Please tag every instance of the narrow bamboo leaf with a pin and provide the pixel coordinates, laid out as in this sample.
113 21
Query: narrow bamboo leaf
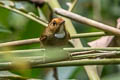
4 30
8 75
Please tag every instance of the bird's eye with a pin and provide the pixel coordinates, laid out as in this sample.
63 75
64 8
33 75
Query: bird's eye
54 23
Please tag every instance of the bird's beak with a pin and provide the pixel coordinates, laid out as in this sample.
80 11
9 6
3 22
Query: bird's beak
62 22
60 27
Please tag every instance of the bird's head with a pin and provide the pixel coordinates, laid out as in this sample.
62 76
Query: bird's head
57 25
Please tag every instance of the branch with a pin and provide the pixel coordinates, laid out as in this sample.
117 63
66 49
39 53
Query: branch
87 21
20 42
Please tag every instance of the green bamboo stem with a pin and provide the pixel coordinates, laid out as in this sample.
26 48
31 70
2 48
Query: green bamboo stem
82 62
89 48
8 65
24 14
45 56
86 35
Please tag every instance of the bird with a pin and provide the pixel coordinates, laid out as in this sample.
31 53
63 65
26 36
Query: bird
55 34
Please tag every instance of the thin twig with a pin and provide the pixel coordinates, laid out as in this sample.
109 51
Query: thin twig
83 52
87 21
73 5
98 55
20 42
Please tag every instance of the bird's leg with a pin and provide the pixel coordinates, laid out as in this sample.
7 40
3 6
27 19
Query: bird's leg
41 44
43 37
55 73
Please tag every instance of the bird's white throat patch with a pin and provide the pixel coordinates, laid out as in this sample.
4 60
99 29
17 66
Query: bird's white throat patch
61 33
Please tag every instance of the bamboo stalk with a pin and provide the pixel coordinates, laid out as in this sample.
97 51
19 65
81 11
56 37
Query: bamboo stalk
8 65
82 62
86 35
43 55
89 48
87 21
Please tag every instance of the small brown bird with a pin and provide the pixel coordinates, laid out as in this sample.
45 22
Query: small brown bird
55 33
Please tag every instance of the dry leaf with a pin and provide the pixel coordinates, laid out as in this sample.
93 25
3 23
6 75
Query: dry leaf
106 41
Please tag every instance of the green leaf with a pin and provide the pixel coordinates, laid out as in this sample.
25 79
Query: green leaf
4 30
